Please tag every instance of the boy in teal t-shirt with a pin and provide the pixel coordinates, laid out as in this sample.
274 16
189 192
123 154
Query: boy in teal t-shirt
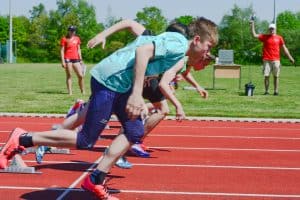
117 84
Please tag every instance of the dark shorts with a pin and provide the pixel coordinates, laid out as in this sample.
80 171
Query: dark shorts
72 60
104 102
151 90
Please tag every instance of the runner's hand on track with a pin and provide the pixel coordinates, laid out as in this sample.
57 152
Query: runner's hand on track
135 106
180 115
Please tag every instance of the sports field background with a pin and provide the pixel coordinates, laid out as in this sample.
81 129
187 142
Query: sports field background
41 88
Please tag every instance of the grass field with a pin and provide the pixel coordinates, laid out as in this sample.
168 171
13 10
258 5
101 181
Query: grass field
40 88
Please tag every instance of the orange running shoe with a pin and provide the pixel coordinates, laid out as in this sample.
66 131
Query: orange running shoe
99 191
11 148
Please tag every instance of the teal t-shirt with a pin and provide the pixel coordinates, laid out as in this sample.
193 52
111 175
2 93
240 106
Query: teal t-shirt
116 71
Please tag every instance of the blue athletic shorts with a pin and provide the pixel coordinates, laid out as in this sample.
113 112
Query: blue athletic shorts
103 102
151 90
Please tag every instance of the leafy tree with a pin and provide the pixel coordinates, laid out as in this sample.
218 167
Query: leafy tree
234 32
288 25
87 28
21 34
186 20
37 11
4 28
38 38
288 20
152 19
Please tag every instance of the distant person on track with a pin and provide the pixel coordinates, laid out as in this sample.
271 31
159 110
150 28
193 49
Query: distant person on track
117 85
71 58
271 55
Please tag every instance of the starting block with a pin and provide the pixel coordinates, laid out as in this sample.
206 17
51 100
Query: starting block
53 150
17 165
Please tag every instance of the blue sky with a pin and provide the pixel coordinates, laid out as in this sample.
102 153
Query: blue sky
212 9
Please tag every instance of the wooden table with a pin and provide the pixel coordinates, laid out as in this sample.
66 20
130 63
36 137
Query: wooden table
226 71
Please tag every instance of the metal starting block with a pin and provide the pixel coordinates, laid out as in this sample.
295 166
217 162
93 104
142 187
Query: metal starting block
17 165
53 150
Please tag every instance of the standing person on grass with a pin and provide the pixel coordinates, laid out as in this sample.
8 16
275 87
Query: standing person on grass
71 58
117 85
271 55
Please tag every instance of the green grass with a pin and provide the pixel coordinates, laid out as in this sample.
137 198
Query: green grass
41 88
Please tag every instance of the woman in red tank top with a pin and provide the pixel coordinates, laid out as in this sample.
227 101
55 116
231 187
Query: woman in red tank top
71 59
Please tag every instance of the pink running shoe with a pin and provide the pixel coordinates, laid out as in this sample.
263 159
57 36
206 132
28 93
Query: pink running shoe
11 148
139 151
144 147
100 191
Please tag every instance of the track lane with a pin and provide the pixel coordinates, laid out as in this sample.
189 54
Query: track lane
209 176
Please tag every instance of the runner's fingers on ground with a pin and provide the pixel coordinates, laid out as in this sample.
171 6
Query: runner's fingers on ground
179 118
135 105
180 115
133 111
204 94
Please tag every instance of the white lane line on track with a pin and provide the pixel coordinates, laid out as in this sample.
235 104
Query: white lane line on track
184 165
213 149
226 136
219 166
72 186
232 127
228 149
164 192
189 127
36 188
213 136
20 123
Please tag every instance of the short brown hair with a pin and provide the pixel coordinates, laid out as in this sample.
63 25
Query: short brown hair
178 27
205 28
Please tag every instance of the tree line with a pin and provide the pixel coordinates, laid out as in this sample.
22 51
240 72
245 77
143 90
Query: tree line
38 37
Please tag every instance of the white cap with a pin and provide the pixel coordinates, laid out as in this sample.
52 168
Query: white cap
272 26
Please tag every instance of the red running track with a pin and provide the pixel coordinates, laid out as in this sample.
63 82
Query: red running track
189 160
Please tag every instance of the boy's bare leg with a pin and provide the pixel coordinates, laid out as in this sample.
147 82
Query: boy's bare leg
58 138
75 120
154 119
118 147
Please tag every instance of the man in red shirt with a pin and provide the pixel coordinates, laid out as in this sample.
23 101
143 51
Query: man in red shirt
271 55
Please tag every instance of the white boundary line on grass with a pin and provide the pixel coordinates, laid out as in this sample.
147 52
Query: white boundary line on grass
113 118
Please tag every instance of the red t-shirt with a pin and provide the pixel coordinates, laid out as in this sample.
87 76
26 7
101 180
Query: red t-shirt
271 46
71 47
